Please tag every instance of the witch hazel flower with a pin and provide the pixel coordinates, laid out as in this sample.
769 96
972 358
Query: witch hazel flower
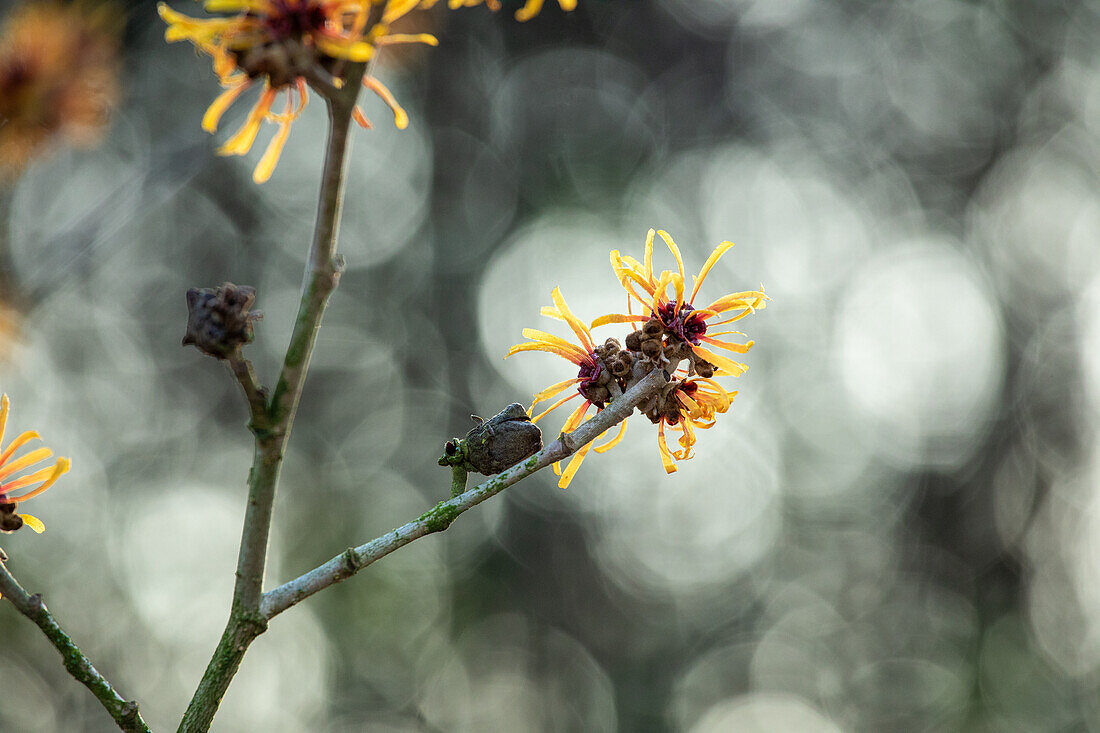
14 476
673 335
277 45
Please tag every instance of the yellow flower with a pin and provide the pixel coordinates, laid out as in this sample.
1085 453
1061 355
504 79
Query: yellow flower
276 43
594 381
58 78
529 10
688 405
9 466
677 317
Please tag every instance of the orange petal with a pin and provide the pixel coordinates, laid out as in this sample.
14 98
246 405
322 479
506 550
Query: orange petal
573 466
16 444
618 318
553 407
714 257
666 456
578 326
47 475
220 104
614 441
5 406
728 345
400 118
39 454
33 522
553 389
728 366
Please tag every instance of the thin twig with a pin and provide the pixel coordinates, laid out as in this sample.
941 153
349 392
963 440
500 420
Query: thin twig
253 392
353 560
124 712
321 275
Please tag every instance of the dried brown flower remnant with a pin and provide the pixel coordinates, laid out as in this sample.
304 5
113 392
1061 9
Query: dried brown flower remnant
218 319
58 79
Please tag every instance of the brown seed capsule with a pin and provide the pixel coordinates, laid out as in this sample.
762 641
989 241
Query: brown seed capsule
653 328
619 368
677 349
612 346
634 341
651 347
704 368
9 520
218 319
596 395
626 357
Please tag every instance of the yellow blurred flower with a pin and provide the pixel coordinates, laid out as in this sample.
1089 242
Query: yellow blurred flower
277 44
529 10
679 320
595 381
58 79
35 482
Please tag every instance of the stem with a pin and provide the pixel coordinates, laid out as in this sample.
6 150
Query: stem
253 392
458 480
439 518
321 276
124 712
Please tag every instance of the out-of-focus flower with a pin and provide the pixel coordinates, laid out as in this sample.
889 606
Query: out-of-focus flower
35 482
279 45
684 327
595 381
529 10
58 79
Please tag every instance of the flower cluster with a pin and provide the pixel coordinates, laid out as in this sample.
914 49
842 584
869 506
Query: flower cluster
280 44
58 78
283 46
672 334
529 10
35 482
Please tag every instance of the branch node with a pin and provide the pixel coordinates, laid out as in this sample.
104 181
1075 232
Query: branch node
351 561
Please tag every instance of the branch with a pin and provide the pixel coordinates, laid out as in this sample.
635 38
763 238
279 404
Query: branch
354 559
322 273
124 712
253 392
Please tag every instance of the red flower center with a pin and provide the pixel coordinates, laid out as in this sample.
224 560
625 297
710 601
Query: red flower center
291 19
685 322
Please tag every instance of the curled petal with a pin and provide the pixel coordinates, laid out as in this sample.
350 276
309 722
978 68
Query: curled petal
400 117
614 441
666 456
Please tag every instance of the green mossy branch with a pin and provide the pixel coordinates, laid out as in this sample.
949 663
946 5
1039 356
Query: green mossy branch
443 514
124 712
271 421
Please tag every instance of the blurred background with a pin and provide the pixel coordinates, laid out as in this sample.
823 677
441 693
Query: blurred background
896 527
